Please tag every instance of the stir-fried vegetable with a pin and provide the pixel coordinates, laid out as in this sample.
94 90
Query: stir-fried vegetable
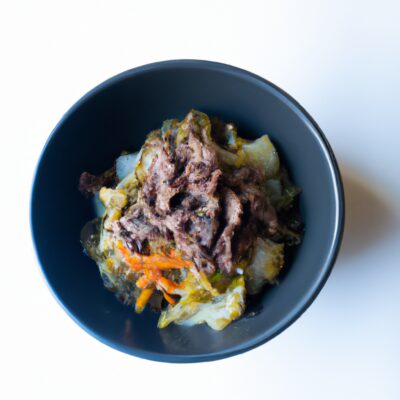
162 271
143 298
154 261
150 270
267 262
149 151
126 164
281 196
197 305
262 154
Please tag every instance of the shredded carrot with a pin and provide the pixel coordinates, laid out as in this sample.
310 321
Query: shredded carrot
151 267
127 256
157 261
153 275
168 297
143 282
168 285
143 298
173 253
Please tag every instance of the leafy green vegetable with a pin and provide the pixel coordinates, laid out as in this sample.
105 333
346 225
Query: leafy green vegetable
265 266
262 154
200 124
288 196
229 160
195 122
226 136
194 297
281 194
113 198
126 164
235 152
200 306
169 126
115 275
149 151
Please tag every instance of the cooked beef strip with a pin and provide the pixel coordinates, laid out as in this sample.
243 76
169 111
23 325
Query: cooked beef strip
247 182
185 200
233 210
135 229
90 184
213 217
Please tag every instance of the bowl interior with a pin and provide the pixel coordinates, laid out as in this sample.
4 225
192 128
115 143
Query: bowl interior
116 116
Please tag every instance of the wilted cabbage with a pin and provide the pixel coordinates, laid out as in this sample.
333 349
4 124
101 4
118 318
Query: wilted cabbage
281 197
265 266
198 305
149 151
115 275
193 297
126 164
262 154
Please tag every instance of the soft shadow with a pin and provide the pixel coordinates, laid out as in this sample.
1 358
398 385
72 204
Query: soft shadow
369 216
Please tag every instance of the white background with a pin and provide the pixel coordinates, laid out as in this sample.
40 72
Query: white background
340 60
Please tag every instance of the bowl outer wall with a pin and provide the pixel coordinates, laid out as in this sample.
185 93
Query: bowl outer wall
238 98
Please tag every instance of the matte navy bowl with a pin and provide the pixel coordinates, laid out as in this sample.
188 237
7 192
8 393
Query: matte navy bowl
117 115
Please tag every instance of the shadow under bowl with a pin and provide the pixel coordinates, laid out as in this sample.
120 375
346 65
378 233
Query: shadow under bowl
117 115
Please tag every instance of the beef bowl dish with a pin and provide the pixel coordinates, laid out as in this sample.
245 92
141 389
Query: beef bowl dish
186 211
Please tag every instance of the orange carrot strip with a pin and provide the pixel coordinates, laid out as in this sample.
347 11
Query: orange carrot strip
143 282
173 253
163 262
152 275
125 252
168 285
151 267
168 297
127 256
143 298
157 261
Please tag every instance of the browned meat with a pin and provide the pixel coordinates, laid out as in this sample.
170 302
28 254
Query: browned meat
259 206
157 190
242 176
212 217
246 181
232 215
180 197
90 184
244 238
135 229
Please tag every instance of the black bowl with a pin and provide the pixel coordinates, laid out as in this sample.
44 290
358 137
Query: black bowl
117 115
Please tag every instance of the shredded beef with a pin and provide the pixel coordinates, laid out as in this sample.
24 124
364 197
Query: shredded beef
232 216
260 208
243 175
135 229
246 181
90 184
213 217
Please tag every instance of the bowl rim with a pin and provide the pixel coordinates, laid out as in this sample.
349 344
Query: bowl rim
325 270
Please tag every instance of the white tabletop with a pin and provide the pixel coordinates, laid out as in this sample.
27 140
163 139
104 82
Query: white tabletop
340 60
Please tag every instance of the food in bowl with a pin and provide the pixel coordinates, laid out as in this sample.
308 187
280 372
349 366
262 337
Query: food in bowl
193 223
